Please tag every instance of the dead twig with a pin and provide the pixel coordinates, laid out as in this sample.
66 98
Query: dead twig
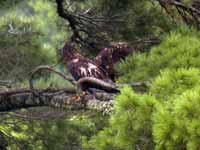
49 68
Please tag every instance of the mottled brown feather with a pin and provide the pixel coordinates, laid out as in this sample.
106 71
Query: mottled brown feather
81 67
112 54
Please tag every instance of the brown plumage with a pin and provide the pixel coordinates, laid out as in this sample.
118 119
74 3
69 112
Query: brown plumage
96 72
81 67
112 54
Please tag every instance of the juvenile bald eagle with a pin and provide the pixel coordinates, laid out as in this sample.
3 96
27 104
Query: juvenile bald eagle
86 70
112 54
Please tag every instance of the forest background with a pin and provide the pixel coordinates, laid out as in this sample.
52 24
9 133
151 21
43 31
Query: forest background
165 35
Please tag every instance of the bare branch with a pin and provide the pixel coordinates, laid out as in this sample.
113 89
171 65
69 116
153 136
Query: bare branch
49 68
189 14
88 30
16 30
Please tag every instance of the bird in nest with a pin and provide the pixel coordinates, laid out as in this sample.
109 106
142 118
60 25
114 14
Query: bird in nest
95 73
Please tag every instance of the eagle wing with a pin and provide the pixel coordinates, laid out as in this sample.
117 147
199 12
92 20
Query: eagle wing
86 71
109 56
114 53
82 67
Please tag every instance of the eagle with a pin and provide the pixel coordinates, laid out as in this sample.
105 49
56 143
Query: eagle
95 73
86 71
112 54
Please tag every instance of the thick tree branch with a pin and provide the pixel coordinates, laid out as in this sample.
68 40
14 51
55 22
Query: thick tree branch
60 99
66 15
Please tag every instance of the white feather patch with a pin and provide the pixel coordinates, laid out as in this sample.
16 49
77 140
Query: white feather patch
75 60
91 67
83 71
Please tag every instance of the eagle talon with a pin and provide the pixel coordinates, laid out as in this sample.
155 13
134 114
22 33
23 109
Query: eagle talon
78 97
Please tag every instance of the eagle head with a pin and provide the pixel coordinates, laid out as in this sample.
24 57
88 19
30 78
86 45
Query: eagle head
121 50
68 50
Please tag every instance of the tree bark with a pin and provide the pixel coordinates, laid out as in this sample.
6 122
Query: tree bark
55 98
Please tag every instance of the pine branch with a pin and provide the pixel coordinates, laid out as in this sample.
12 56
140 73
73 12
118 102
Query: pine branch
189 14
88 30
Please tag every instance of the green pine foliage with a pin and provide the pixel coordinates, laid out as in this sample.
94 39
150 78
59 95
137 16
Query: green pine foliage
173 82
130 125
141 18
179 49
176 125
57 130
167 116
164 118
31 33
